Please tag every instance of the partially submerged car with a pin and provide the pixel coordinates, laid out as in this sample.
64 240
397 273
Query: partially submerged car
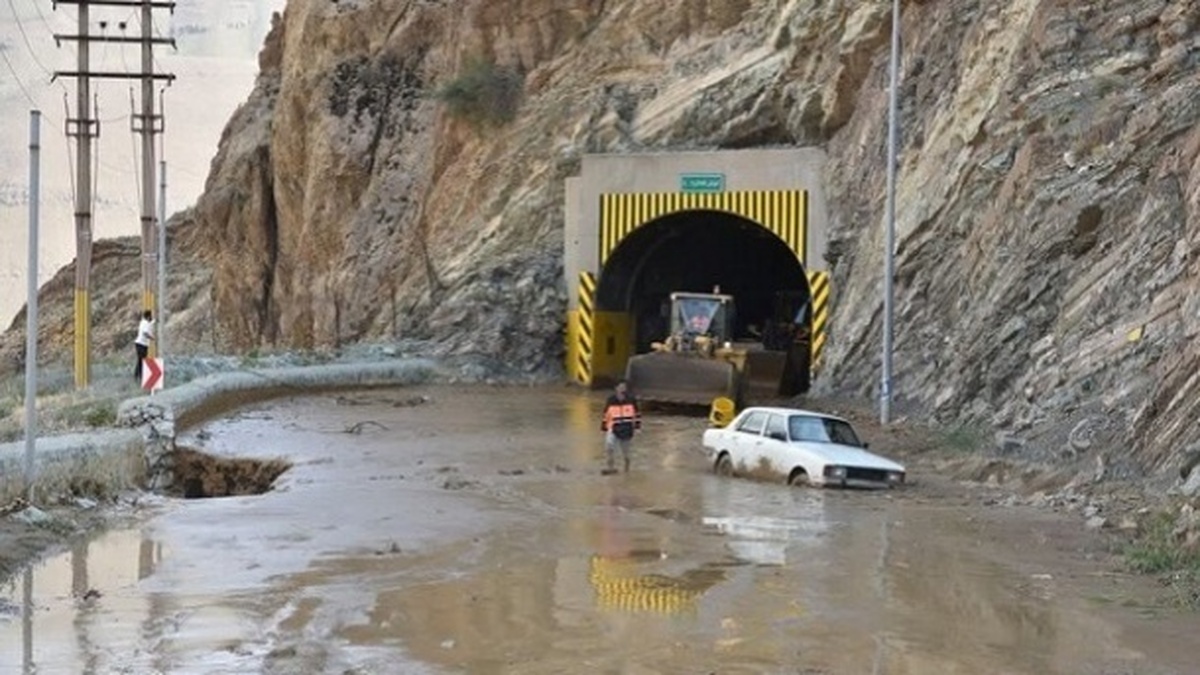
803 447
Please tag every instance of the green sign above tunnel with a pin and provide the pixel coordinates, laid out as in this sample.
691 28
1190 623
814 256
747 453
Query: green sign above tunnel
702 182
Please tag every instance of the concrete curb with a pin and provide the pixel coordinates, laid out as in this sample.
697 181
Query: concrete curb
96 462
139 455
165 413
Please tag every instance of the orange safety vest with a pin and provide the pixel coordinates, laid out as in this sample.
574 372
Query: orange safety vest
621 417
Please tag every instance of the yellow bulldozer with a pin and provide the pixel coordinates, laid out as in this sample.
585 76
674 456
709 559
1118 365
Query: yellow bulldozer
701 360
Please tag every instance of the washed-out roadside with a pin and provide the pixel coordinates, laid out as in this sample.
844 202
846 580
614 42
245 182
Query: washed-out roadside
116 446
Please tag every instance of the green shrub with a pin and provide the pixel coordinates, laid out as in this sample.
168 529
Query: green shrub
963 439
483 94
100 415
1157 551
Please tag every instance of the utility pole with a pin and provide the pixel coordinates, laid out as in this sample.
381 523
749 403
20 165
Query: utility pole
161 312
889 256
147 124
31 301
84 129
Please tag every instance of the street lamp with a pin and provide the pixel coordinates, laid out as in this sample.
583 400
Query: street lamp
889 262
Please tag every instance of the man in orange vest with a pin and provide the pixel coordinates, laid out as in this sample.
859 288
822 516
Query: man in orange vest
621 419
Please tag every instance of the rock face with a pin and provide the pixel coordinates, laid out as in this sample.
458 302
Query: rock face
1048 202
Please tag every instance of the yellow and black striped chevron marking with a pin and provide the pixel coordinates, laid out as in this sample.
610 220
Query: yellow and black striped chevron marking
587 327
818 285
618 587
783 212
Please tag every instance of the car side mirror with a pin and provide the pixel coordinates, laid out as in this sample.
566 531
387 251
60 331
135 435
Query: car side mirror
777 435
866 446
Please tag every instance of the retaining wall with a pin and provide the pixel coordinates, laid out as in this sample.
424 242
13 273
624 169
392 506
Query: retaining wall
140 453
93 463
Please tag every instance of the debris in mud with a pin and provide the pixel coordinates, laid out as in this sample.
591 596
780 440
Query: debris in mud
511 472
32 515
358 427
14 506
394 549
200 475
446 469
282 653
412 402
458 484
674 515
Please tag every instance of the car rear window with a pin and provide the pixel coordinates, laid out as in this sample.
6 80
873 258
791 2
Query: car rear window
821 430
753 423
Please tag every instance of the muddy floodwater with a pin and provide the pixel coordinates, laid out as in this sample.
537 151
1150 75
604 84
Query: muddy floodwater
469 530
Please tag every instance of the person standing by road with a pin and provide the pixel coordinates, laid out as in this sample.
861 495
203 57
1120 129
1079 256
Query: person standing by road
621 419
141 343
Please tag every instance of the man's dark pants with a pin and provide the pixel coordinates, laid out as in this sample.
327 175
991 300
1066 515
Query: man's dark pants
142 352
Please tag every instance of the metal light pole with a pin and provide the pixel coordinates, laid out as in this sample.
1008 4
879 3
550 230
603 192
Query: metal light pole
31 306
160 312
889 262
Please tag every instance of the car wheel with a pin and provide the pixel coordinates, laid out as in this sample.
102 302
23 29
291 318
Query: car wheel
798 478
724 465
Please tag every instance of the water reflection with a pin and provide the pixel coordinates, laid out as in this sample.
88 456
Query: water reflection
621 584
762 523
67 603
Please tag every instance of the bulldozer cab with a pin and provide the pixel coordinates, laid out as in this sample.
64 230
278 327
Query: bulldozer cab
701 314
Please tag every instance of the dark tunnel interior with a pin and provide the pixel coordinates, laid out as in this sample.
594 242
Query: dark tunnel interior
696 251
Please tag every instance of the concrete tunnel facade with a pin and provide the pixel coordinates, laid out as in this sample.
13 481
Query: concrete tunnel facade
639 226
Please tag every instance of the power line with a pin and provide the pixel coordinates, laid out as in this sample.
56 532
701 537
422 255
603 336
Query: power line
70 157
37 6
25 38
95 154
17 78
133 153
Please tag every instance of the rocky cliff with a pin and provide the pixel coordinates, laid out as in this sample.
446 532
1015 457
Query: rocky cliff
398 172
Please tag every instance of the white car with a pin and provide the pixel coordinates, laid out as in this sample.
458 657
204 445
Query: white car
806 448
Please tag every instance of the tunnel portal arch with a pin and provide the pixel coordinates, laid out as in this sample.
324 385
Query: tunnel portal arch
640 225
697 251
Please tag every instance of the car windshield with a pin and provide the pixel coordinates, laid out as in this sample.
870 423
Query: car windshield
821 430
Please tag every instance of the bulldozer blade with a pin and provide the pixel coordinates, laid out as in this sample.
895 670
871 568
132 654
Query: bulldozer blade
765 372
667 377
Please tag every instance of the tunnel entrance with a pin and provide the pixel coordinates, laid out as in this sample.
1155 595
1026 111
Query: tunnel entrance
698 251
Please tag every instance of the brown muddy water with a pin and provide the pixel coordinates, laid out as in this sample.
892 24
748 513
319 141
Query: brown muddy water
471 531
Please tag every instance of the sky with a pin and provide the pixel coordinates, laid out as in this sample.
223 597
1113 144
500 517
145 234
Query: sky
215 62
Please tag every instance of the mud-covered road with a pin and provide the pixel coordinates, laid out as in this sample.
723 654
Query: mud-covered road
471 531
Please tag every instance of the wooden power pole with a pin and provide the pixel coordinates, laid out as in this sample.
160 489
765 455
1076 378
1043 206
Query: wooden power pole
84 128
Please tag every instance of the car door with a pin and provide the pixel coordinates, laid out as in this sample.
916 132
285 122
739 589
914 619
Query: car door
748 442
775 446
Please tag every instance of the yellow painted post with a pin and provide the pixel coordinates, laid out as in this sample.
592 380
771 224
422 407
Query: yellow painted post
83 323
818 285
587 328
